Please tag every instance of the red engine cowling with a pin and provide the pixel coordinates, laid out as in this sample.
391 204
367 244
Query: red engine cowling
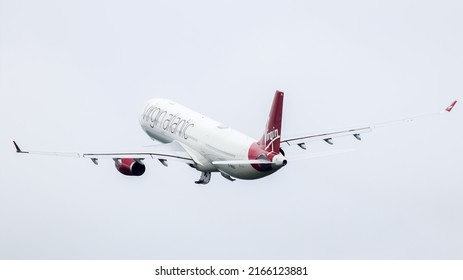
130 167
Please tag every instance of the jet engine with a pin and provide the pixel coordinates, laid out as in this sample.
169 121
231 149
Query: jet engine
130 166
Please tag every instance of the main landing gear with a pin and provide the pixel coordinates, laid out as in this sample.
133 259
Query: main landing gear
204 179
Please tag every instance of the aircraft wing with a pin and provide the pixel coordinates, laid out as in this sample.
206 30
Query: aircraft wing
355 131
162 152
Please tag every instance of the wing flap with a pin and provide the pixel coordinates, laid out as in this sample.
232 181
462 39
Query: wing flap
327 136
356 132
138 155
163 152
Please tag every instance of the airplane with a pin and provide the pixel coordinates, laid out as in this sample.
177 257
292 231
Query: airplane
210 146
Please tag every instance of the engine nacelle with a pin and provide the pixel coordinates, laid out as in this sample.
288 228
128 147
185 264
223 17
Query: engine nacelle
130 167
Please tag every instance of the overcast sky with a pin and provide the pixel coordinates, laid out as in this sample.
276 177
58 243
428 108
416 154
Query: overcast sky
74 76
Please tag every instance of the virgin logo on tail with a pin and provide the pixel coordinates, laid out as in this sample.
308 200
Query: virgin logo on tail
271 135
270 140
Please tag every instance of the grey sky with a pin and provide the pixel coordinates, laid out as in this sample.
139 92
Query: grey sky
74 76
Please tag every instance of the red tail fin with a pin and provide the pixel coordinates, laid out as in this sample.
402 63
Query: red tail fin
270 141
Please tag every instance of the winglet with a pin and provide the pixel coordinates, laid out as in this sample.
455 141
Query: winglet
18 150
449 108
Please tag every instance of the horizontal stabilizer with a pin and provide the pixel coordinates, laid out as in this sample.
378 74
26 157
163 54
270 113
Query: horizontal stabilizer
251 161
319 154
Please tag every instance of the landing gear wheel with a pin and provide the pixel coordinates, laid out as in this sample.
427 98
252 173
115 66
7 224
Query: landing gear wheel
204 179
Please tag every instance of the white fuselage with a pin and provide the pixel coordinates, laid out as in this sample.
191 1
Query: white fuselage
206 140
